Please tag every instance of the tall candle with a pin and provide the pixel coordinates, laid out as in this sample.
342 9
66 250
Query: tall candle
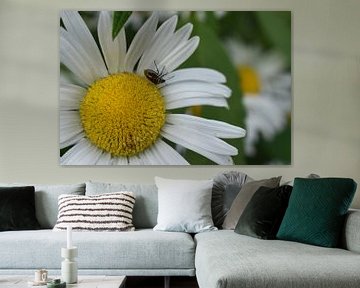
69 237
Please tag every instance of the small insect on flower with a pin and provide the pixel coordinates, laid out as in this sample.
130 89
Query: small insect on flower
155 77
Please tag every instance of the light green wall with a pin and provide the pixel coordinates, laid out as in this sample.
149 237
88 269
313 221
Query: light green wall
326 73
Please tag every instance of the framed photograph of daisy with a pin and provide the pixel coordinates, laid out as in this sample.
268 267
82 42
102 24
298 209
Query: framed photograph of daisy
175 88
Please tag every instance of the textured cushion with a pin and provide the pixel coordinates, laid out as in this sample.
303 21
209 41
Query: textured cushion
46 200
226 187
184 205
263 215
106 212
243 198
317 210
146 205
225 259
143 249
17 208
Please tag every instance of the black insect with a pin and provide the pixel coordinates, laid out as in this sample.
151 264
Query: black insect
155 77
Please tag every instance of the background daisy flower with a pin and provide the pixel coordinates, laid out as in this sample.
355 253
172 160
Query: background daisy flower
118 115
266 91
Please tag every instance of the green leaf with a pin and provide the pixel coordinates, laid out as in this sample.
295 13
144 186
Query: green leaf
211 54
241 25
277 27
119 19
64 150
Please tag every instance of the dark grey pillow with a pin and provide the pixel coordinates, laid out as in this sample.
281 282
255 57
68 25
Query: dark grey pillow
226 187
263 214
243 198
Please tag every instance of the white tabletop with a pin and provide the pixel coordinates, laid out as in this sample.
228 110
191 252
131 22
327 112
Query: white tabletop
84 281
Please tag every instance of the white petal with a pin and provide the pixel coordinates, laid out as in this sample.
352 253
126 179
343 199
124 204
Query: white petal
198 139
114 50
72 140
83 153
140 42
282 81
120 161
161 37
136 160
77 28
167 154
70 96
196 86
211 101
105 159
150 157
76 63
179 38
270 64
272 117
217 158
180 54
70 127
193 74
169 98
216 128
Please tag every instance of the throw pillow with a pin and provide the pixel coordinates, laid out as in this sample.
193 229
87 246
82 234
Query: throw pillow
263 215
226 187
184 205
17 208
146 205
317 209
243 198
106 212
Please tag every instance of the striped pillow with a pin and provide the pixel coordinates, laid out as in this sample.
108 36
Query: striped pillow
105 212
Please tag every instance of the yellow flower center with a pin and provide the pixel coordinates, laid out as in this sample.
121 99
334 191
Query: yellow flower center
249 80
122 114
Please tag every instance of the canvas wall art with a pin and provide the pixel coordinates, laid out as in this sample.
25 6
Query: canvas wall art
175 88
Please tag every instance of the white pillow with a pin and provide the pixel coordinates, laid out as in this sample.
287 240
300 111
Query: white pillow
184 205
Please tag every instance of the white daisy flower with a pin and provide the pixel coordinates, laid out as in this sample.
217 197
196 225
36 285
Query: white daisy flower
120 115
267 92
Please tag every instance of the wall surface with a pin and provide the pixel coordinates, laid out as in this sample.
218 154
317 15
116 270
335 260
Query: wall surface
326 74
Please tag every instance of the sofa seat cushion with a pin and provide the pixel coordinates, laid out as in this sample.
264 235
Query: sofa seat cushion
225 259
142 249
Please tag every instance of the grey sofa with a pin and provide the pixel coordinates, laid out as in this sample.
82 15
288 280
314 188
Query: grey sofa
218 259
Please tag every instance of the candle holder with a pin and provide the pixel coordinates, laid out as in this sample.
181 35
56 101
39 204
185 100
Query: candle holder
68 265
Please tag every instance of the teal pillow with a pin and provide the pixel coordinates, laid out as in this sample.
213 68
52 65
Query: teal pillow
316 211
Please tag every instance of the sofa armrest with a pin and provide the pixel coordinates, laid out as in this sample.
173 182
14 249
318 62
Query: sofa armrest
351 234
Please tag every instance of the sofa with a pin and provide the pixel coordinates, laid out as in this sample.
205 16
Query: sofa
219 258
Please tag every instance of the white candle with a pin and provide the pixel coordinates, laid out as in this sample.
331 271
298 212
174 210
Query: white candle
69 239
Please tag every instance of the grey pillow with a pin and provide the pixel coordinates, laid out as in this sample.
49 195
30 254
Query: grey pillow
225 189
146 204
184 205
46 200
310 176
243 198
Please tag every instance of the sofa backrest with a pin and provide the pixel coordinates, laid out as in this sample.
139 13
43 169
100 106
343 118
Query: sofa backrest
46 200
146 203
